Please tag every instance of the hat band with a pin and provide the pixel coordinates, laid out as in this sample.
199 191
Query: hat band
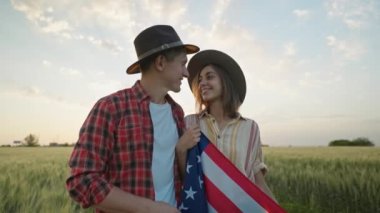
160 48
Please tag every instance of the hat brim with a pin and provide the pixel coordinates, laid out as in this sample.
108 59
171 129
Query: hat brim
207 57
135 67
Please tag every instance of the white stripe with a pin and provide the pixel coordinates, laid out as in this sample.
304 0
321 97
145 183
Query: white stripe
225 184
210 208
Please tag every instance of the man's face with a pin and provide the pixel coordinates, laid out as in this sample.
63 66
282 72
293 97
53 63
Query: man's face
174 72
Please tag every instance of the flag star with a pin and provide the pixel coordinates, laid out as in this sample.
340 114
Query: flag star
198 159
188 167
190 193
200 181
182 207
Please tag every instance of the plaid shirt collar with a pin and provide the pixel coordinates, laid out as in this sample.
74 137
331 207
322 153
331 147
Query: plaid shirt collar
142 95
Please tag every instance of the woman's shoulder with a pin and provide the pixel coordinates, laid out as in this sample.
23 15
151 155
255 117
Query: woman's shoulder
249 120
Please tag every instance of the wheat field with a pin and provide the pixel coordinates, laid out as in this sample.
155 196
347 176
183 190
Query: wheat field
322 179
325 179
33 180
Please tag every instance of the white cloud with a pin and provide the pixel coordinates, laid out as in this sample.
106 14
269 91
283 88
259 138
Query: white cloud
290 49
266 72
35 12
129 17
220 7
345 49
319 79
82 20
30 91
30 9
105 86
118 15
56 27
331 40
47 19
124 18
70 72
49 10
165 11
303 14
355 14
46 63
100 73
107 44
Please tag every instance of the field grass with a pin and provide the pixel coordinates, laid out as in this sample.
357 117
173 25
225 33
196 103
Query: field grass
325 179
303 179
33 180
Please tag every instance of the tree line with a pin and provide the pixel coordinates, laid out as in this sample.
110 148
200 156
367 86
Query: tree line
356 142
32 140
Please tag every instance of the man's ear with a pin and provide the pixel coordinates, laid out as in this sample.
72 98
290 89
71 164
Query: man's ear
160 62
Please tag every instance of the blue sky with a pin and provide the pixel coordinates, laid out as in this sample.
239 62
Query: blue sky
312 67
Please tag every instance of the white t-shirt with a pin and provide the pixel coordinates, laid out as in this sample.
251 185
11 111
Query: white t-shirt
165 139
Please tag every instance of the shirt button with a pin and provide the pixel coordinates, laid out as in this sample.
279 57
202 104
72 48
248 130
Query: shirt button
218 136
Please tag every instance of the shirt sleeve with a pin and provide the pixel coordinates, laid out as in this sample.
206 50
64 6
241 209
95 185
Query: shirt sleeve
259 164
255 159
87 184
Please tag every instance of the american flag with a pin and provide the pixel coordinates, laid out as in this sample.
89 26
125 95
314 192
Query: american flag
214 184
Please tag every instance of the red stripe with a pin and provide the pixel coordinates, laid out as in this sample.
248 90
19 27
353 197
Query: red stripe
245 184
217 199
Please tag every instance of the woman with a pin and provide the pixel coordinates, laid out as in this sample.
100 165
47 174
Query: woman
219 87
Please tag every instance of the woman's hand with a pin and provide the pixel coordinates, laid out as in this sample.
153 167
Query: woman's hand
189 139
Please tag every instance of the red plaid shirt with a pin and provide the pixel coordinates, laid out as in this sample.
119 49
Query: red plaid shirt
115 148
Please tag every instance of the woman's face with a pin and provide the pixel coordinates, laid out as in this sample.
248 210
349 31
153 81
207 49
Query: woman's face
210 85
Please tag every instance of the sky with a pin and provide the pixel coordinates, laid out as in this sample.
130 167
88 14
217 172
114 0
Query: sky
312 67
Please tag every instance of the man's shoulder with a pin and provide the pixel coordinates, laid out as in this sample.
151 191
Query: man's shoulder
118 95
116 101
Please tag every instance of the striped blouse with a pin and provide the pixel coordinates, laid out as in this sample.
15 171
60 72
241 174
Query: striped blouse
239 141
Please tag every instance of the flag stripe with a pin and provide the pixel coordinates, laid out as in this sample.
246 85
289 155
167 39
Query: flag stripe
210 209
229 187
217 200
251 190
219 186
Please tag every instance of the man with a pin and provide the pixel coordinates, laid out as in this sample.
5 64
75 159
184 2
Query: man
125 158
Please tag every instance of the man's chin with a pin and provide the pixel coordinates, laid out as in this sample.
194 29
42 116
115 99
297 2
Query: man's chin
176 90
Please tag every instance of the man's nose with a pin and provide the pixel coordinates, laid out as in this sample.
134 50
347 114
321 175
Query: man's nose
185 73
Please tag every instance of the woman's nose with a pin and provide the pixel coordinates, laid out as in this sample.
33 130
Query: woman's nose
202 82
